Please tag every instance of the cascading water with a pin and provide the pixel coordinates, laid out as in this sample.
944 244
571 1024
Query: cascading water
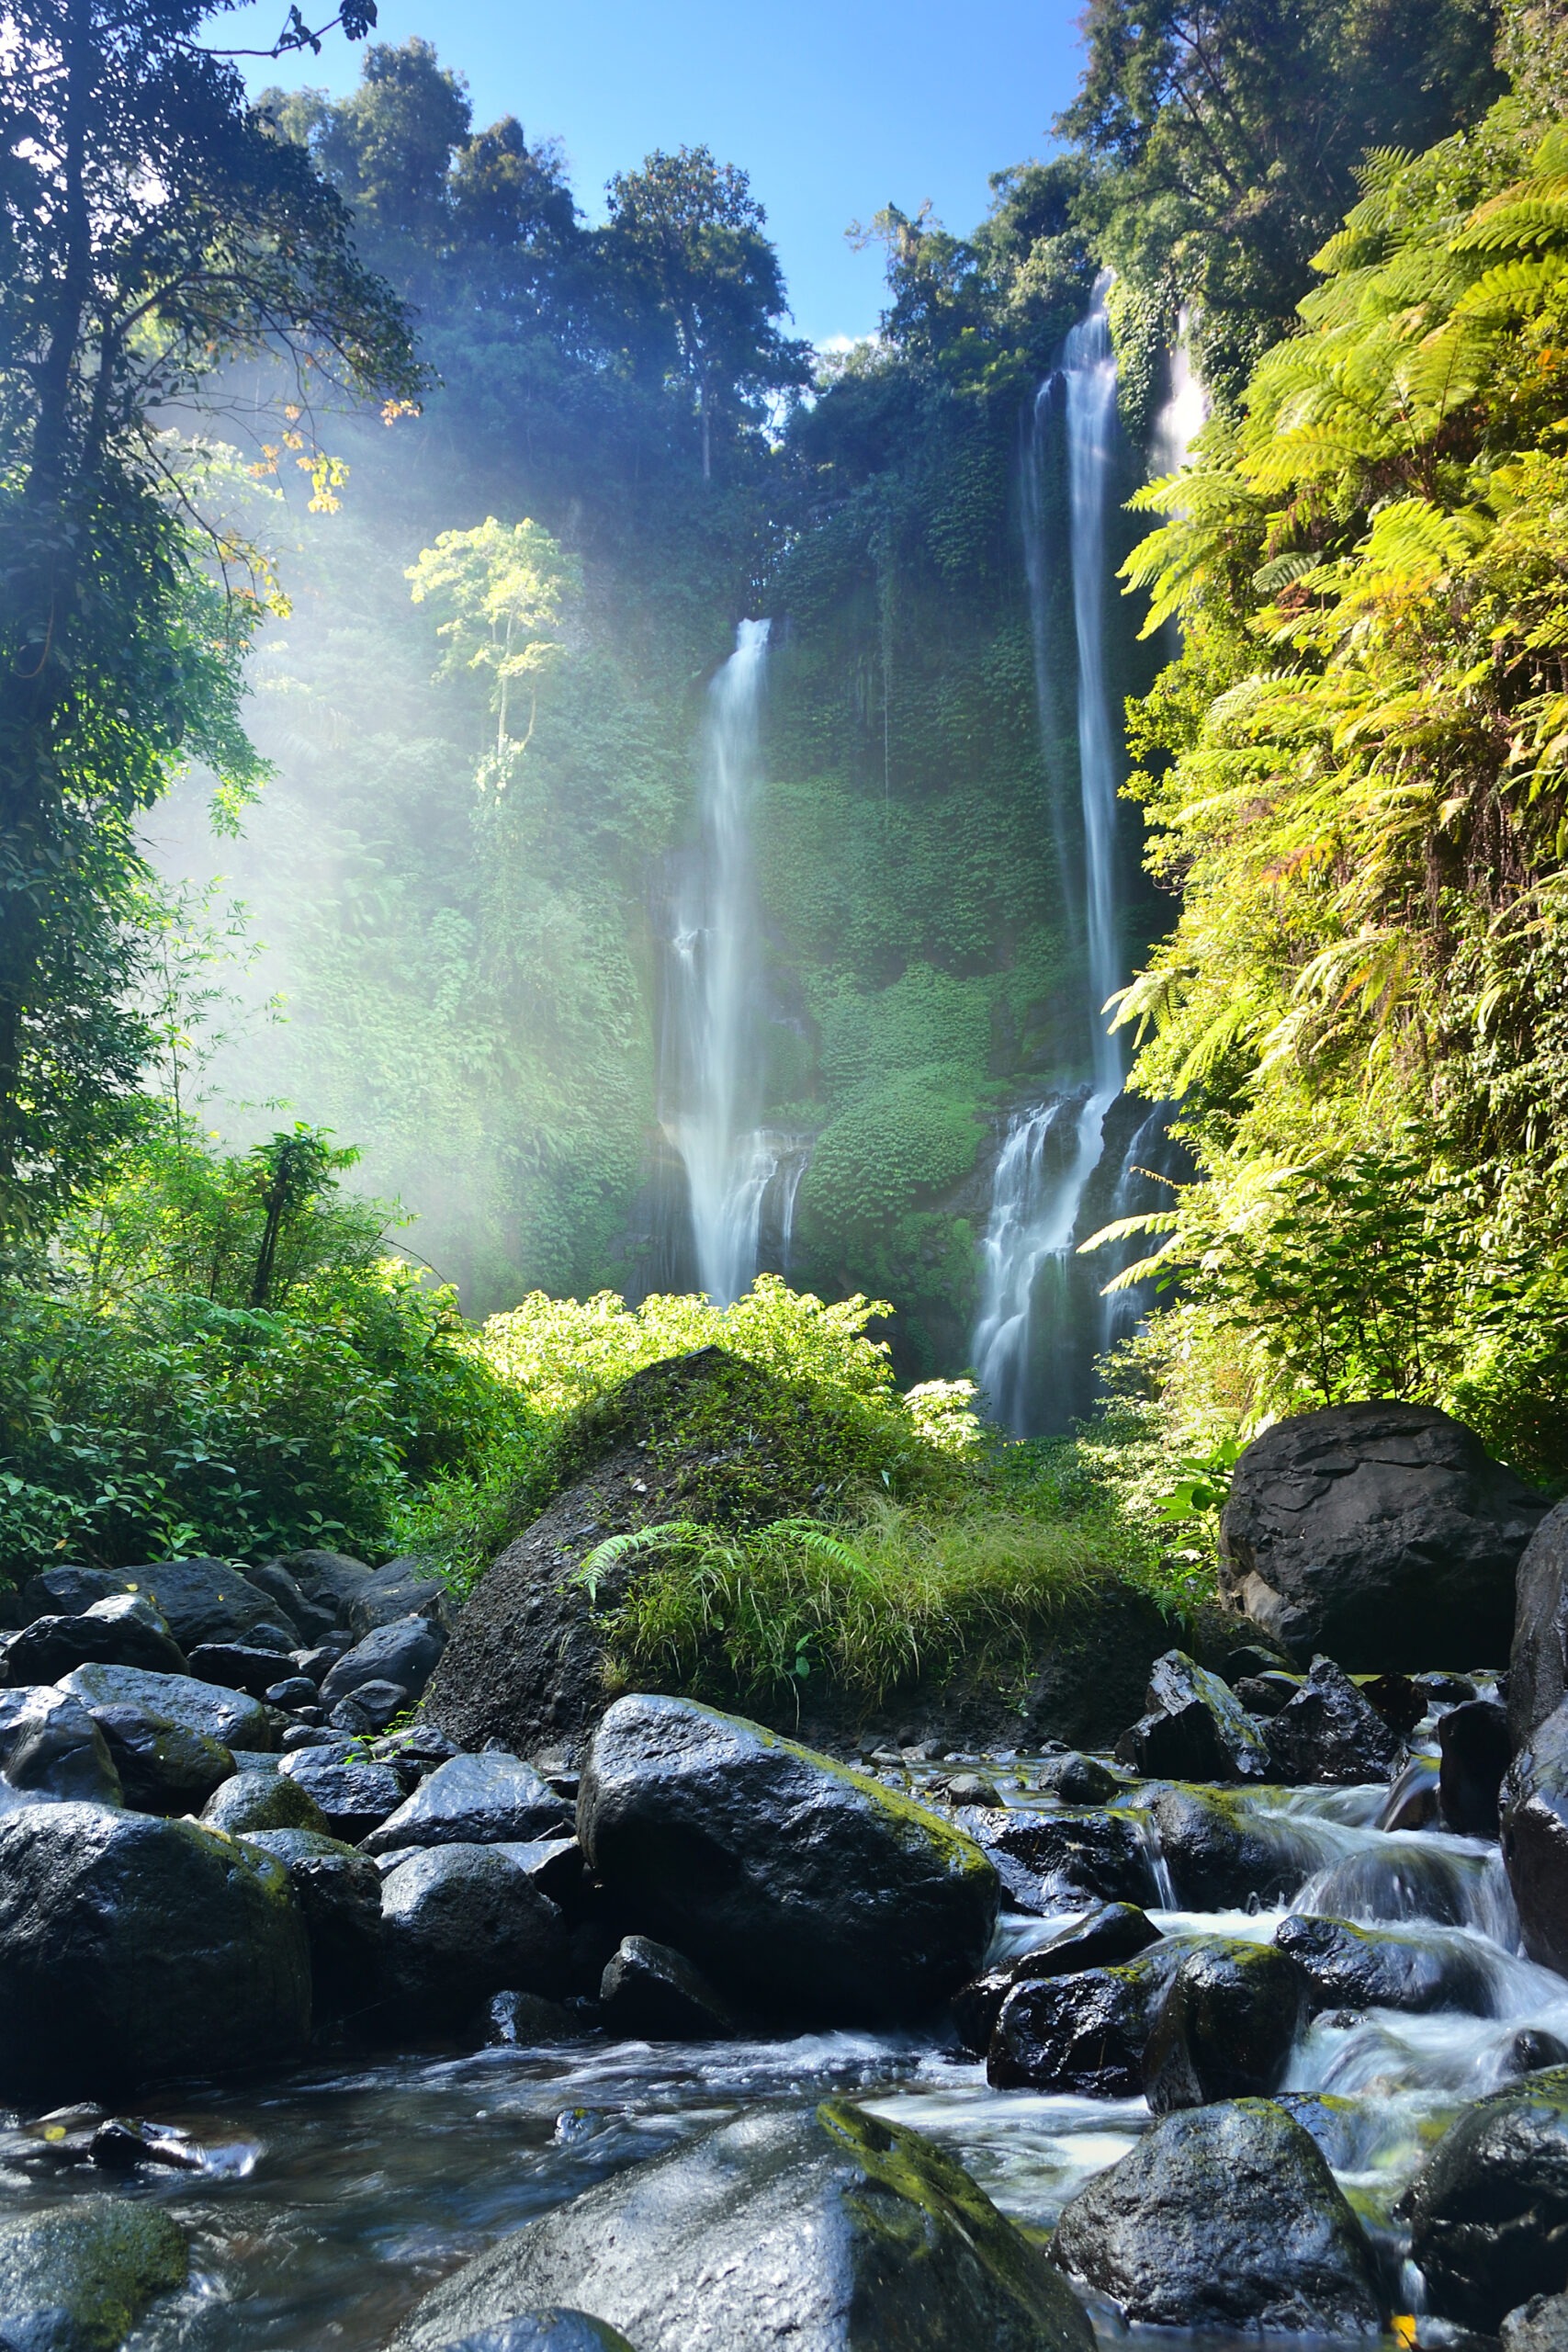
1182 413
1047 1156
741 1179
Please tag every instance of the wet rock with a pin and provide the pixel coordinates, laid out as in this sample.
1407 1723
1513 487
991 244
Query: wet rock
330 1580
1533 2049
795 1882
649 1993
1412 1802
339 1892
1474 1739
50 1747
235 1666
1397 1699
1196 1729
1086 2033
163 1768
1076 1780
1534 1829
1444 1690
481 1799
1112 1932
66 1592
119 2144
972 1788
1250 1659
556 2330
460 1923
309 1618
1225 2217
1329 1733
77 2280
1226 2025
1538 1663
204 1600
263 1800
405 1651
355 1798
827 2227
226 1716
404 1589
371 1707
1405 1878
294 1691
1264 1695
124 1630
517 2020
1540 2325
1382 1533
1057 1861
1377 1968
133 1949
1220 1855
1489 2213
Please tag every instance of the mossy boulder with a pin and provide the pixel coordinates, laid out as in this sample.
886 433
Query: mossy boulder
79 2278
825 2225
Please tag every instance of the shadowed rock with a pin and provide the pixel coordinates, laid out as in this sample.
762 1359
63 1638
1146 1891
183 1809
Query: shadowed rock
1489 2214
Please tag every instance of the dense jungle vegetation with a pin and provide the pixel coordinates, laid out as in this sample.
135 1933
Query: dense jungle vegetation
368 425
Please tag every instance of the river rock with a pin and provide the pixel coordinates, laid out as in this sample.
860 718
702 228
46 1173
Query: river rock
1196 1729
1076 1780
1087 2033
77 2280
649 1993
557 2330
235 1666
1109 1933
1534 1828
1412 1802
355 1798
50 1747
330 1580
163 1768
1474 1743
124 1630
1380 1968
263 1800
1382 1533
829 2230
339 1891
1540 2325
1220 1854
226 1716
65 1591
1489 2213
291 1603
405 1588
1398 1879
484 1800
1538 1663
370 1708
200 1600
133 1949
1058 1861
1226 2219
459 1923
797 1883
1328 1732
404 1651
1226 2025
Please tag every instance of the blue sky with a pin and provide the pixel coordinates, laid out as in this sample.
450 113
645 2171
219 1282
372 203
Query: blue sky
834 109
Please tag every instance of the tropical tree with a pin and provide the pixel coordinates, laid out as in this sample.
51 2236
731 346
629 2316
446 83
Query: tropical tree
503 587
157 236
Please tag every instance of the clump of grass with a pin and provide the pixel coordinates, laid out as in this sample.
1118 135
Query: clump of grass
888 1595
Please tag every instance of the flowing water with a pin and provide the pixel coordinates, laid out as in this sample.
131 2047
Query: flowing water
709 1105
332 2197
1047 1156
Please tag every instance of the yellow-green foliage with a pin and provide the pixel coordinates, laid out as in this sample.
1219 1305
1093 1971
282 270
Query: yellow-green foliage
1357 775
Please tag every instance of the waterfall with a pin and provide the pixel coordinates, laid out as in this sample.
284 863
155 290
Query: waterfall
1089 370
1048 1154
1151 1163
709 1092
1184 411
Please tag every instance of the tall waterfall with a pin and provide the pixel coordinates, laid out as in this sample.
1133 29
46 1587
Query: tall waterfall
1032 1332
709 1088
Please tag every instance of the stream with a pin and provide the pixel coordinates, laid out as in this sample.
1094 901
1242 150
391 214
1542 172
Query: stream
332 2196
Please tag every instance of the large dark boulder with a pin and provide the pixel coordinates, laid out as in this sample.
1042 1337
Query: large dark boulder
404 1651
1226 2025
162 1767
649 1993
133 1950
1050 1861
122 1631
1538 1663
1105 1935
405 1588
1382 1533
460 1923
1085 2034
1328 1732
1220 1854
1226 2219
1195 1728
263 1800
331 1581
1473 1740
486 1800
1380 1968
226 1716
200 1600
50 1747
77 2280
339 1891
1534 1824
824 2228
1489 2214
797 1884
355 1797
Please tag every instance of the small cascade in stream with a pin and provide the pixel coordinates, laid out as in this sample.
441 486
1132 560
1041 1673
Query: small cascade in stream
708 1094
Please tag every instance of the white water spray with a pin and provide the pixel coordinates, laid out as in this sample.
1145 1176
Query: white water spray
1089 371
1046 1159
711 1063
